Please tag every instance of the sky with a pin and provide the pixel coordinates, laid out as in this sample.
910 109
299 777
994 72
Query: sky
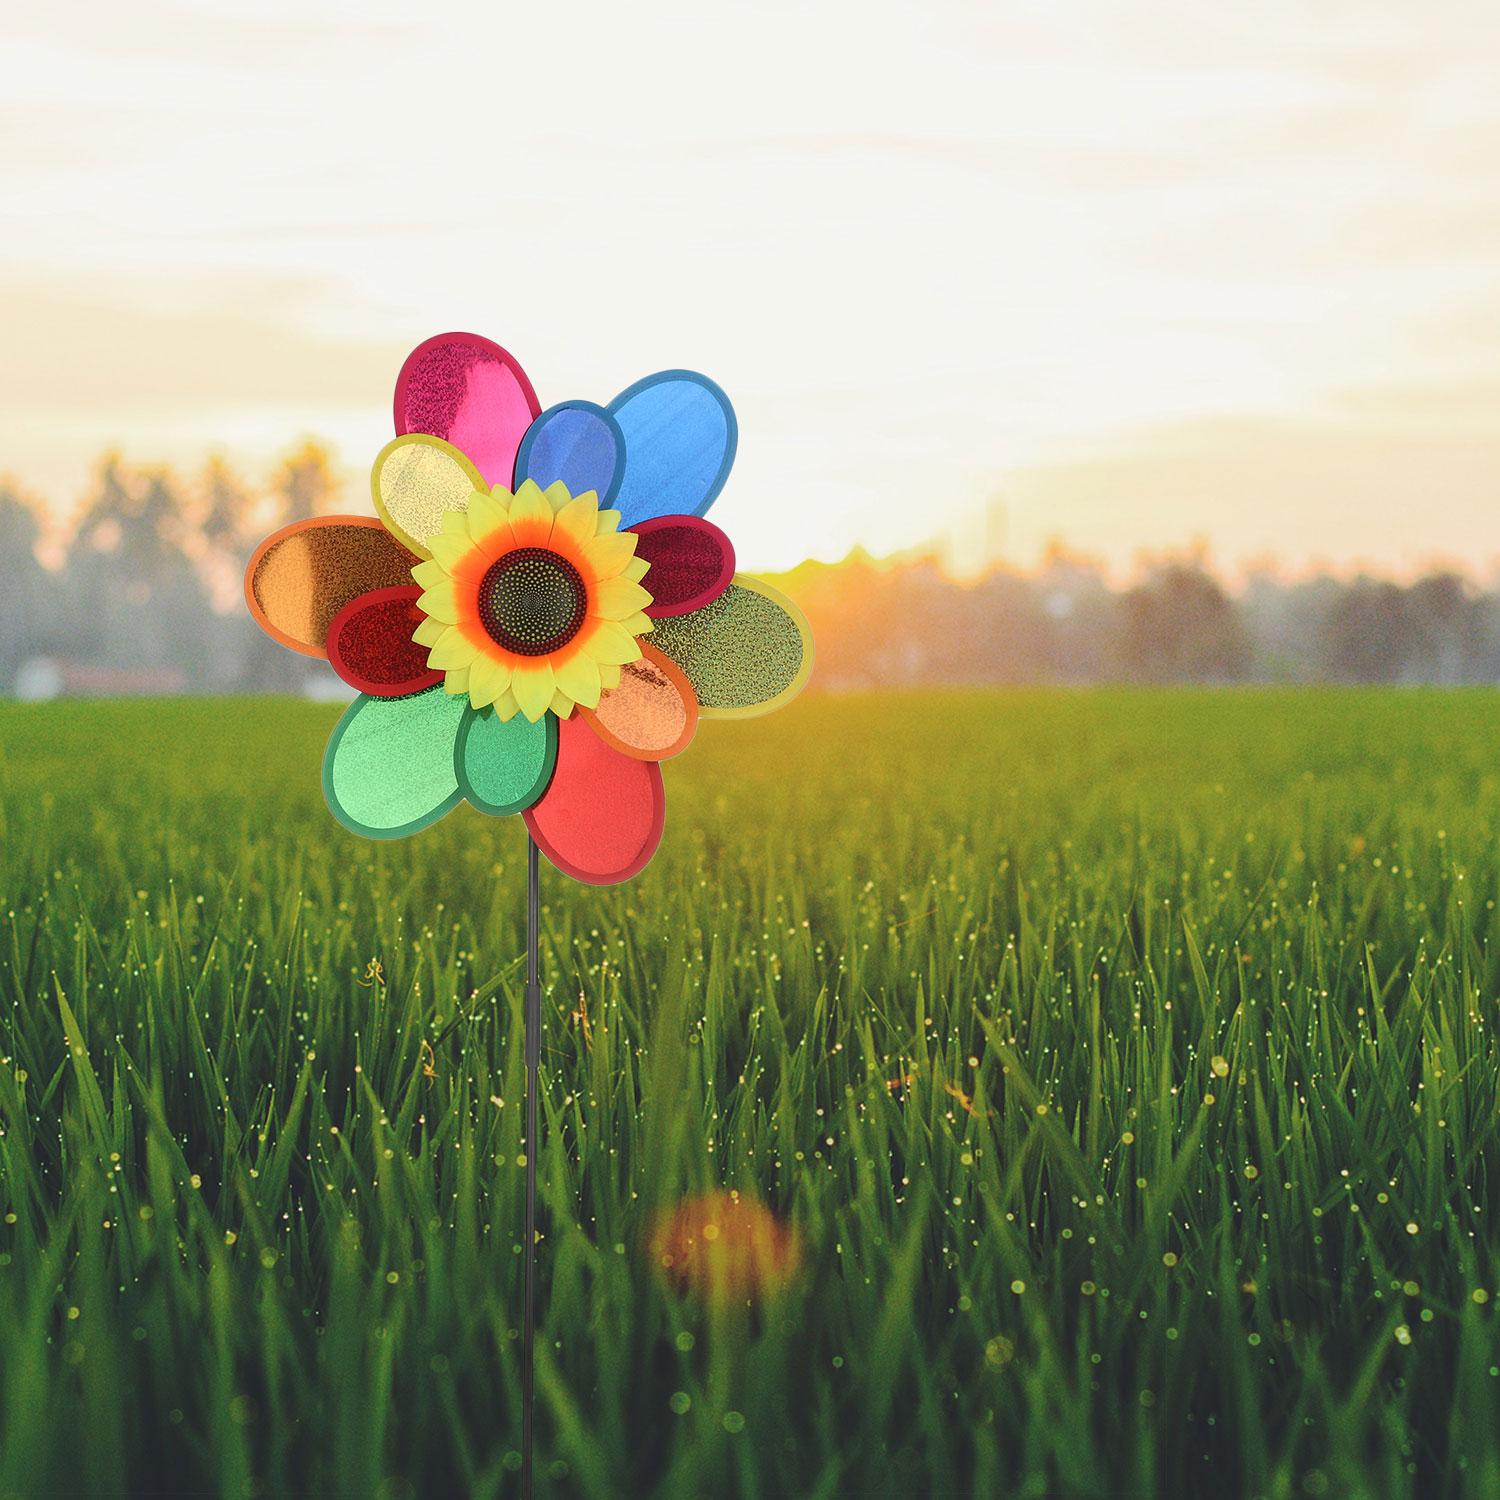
1129 277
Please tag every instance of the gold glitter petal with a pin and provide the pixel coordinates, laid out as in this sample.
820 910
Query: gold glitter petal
415 482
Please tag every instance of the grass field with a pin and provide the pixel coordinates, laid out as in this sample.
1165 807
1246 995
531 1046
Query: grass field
1125 1063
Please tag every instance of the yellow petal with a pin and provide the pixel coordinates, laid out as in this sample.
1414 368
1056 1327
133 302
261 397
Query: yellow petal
578 677
637 624
609 676
533 685
636 569
487 510
457 681
430 574
505 705
577 518
609 520
530 504
615 598
416 480
557 495
454 650
488 678
611 643
448 551
609 554
441 602
429 632
561 704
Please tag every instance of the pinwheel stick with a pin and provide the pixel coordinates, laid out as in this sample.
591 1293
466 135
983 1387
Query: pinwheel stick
533 1027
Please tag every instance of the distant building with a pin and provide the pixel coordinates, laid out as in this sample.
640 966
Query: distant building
43 677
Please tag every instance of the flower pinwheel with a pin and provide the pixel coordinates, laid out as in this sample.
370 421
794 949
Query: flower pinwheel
538 614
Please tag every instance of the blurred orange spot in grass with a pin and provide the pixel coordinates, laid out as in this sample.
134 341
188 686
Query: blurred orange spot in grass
724 1246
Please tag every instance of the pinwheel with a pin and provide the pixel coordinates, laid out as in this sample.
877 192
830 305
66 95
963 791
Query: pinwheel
534 619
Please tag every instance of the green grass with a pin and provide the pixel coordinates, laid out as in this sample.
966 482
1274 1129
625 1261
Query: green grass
1189 1190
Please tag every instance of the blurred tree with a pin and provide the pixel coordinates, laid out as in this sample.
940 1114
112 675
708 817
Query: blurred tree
305 484
138 600
1365 635
1446 630
28 594
1180 626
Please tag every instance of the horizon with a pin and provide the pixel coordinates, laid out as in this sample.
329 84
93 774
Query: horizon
1139 283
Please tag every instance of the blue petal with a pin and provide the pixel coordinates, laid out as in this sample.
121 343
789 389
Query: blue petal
575 442
680 436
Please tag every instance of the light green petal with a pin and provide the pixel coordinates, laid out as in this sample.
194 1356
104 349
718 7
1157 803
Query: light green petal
388 770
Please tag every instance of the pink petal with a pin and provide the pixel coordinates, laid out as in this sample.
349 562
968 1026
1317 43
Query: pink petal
471 393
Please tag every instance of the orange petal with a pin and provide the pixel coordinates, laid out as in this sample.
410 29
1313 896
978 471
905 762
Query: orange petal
300 577
652 714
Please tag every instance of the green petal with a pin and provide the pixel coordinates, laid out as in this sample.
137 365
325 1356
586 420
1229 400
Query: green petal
504 765
745 653
388 769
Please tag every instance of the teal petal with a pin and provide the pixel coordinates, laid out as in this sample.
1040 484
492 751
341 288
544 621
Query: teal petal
504 765
388 769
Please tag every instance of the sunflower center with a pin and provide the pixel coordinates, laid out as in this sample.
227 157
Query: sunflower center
532 601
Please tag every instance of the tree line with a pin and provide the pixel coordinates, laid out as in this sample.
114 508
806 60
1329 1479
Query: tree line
142 593
886 625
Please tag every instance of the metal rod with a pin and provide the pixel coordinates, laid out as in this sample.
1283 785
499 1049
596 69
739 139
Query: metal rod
533 1042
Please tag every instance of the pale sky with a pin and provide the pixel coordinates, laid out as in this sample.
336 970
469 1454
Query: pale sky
1148 273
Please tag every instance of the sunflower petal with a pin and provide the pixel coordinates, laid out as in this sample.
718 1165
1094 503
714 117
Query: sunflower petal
578 677
611 553
615 598
530 504
533 685
578 518
487 510
449 551
429 632
455 649
611 643
441 602
488 678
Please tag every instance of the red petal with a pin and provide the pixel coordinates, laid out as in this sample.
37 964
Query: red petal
601 818
692 563
370 644
471 393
